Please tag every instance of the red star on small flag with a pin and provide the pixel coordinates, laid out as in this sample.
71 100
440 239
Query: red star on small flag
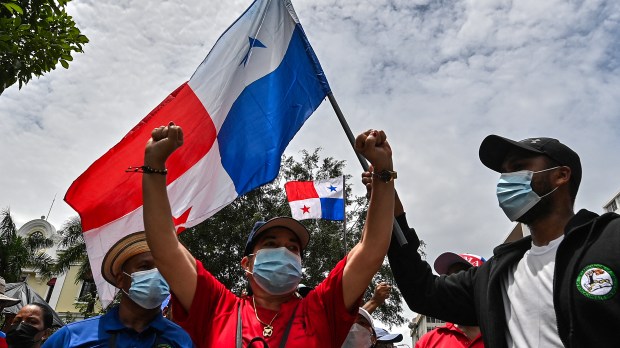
306 209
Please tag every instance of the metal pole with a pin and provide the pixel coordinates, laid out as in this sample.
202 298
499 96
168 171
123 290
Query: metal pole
396 229
344 219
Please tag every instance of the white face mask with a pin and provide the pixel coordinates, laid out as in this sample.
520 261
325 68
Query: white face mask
358 337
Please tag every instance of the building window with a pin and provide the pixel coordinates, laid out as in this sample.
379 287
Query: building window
613 206
88 287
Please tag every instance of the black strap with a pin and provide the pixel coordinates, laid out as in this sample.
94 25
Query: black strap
288 327
239 335
258 339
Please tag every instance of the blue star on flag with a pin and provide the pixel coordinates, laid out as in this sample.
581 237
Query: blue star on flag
253 43
332 188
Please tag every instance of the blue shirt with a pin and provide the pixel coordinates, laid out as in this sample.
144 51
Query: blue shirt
96 332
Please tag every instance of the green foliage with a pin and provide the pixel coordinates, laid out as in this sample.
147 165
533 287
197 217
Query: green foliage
73 253
35 35
219 242
73 250
18 253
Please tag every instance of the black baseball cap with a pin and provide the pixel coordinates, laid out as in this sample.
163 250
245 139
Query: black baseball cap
289 223
494 150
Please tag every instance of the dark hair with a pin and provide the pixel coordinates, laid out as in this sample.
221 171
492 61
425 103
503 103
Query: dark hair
48 318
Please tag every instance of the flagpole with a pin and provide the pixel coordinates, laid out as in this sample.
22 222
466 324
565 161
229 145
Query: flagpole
344 216
395 228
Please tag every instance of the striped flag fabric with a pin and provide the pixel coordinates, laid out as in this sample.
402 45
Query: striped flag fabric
239 110
320 199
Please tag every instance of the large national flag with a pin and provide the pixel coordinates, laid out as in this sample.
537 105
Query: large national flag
239 111
320 199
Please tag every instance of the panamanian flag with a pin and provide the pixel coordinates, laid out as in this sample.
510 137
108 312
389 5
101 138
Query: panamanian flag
320 199
239 111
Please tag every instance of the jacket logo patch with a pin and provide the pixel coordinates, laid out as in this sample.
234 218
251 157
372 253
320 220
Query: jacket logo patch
597 282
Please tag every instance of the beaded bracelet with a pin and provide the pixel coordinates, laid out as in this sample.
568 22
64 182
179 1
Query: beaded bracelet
147 170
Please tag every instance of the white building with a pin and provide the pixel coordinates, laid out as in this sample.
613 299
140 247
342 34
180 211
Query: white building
613 205
421 324
61 292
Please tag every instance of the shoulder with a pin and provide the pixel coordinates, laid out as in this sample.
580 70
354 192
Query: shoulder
82 325
81 329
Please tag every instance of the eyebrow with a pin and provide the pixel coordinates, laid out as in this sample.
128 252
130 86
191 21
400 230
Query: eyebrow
272 237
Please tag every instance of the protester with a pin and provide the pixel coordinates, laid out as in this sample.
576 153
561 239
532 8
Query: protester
381 293
137 321
557 287
5 301
453 335
30 326
273 315
362 333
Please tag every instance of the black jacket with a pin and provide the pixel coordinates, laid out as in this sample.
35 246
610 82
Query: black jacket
590 251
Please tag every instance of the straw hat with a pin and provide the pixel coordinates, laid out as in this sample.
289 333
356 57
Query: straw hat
129 246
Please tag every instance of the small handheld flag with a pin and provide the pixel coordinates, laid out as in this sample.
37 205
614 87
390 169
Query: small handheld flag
320 199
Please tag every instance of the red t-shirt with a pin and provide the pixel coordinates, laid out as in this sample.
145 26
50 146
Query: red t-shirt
321 319
448 336
3 340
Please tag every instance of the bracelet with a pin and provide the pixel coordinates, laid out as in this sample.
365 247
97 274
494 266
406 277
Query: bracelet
147 170
385 175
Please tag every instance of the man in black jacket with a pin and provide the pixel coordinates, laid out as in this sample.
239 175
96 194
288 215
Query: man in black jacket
557 287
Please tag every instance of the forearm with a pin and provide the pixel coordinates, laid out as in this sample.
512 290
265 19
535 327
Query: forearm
378 226
425 292
370 252
171 258
371 305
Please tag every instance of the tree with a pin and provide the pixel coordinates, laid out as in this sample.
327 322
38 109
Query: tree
73 253
34 36
219 241
18 253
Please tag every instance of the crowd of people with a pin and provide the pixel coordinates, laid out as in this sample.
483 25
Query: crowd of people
555 288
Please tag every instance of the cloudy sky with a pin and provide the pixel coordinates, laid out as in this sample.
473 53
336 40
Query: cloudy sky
437 76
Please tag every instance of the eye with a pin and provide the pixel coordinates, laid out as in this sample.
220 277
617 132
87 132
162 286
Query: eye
293 248
270 244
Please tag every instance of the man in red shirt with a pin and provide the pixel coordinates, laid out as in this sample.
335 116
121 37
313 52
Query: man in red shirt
273 315
453 335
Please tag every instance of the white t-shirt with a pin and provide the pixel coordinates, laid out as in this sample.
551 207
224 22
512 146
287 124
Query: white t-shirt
527 291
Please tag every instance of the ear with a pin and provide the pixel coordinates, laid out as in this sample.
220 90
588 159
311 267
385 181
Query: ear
121 279
563 175
245 263
47 333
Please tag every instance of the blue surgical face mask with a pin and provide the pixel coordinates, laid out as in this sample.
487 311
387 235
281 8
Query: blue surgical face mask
277 270
515 194
148 288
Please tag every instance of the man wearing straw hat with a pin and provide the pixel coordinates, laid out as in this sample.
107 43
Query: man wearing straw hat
137 321
5 301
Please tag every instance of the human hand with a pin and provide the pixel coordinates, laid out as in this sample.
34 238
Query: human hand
382 292
164 140
367 180
373 145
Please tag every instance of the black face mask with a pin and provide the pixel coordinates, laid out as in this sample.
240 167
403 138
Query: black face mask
21 335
